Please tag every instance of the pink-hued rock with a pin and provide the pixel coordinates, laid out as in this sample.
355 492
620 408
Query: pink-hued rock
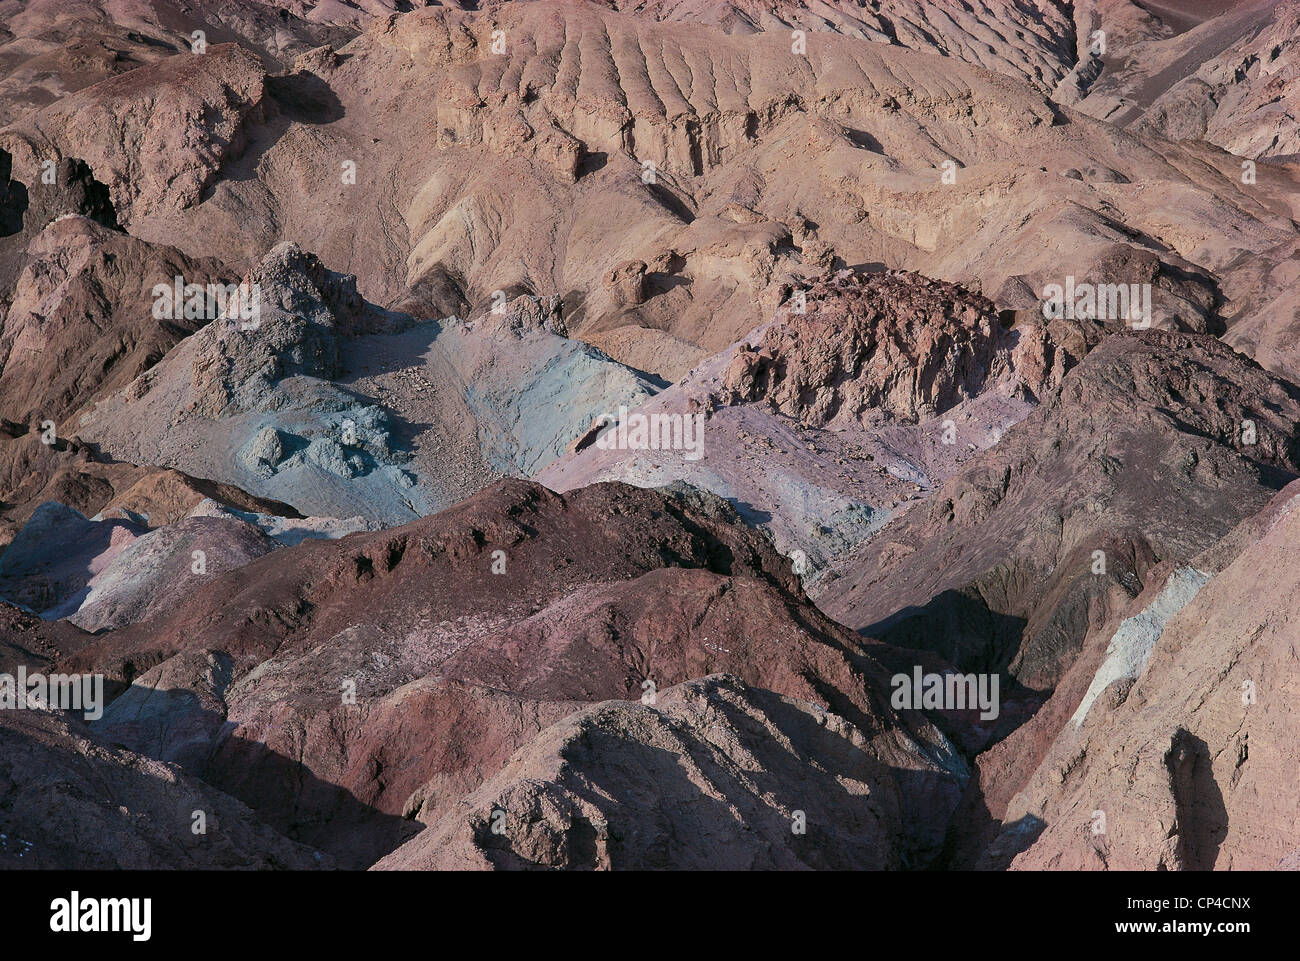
709 777
817 238
1193 763
365 680
72 803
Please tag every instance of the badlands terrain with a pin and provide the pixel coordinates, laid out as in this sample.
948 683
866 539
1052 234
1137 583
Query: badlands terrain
650 434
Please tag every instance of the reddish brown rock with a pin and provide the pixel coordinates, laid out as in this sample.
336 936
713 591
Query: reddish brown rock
74 804
1192 762
1154 447
626 283
906 347
81 321
709 777
33 473
453 668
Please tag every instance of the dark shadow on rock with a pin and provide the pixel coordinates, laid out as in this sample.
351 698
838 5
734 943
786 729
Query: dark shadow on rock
592 162
285 795
866 267
957 626
1198 802
658 283
751 515
672 203
305 98
294 98
437 294
74 191
13 197
864 140
1011 840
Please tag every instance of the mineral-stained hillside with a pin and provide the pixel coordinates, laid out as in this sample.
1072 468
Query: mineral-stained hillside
1155 447
649 433
613 592
859 396
657 178
1191 750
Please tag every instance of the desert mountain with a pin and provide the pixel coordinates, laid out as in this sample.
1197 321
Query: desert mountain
669 157
1155 446
612 592
1180 736
542 433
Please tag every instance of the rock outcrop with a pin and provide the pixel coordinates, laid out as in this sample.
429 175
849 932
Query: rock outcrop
141 814
649 434
388 674
861 394
1155 446
1188 760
